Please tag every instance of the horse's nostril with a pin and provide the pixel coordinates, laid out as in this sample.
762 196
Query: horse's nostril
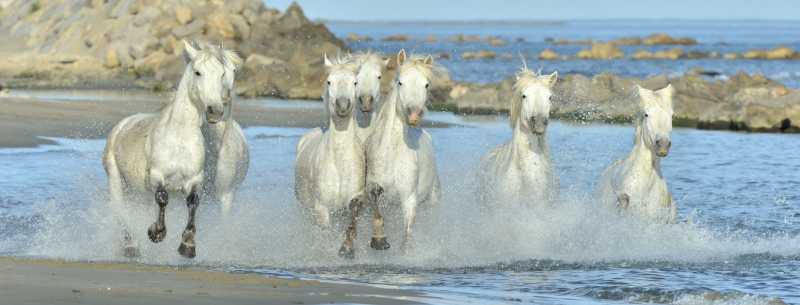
209 109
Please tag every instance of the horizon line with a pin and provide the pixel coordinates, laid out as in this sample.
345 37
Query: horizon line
546 21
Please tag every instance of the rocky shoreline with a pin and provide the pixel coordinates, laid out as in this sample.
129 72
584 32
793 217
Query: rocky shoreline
120 44
135 44
744 102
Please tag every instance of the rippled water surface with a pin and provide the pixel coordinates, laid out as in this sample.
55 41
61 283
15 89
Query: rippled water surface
737 241
713 36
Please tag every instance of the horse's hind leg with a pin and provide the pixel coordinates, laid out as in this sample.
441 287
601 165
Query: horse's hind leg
187 247
347 251
158 230
116 188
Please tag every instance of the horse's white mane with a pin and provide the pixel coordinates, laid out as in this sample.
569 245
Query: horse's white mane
418 62
525 78
211 51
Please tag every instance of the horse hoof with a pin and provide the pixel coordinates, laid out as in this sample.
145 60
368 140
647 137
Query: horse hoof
131 251
156 234
379 243
347 253
187 251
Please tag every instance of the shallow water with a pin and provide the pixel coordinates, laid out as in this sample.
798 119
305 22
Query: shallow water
737 241
722 36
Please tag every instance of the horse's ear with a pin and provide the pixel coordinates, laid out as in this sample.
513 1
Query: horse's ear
327 61
666 92
552 79
386 61
428 60
401 57
645 95
190 52
233 58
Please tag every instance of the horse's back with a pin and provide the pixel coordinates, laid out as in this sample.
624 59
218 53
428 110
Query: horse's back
234 159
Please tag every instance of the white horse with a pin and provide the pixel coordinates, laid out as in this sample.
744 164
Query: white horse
635 184
519 171
368 91
166 152
329 169
400 164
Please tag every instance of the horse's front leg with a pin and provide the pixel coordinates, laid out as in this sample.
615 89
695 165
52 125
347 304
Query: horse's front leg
378 241
187 247
158 230
410 216
347 251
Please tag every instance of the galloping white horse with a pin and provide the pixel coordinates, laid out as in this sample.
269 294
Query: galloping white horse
400 165
166 152
635 184
368 91
329 170
519 171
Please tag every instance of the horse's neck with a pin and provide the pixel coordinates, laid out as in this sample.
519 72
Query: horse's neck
643 157
388 120
526 143
181 113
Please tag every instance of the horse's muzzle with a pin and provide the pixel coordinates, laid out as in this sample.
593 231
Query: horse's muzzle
343 107
415 118
662 147
214 114
365 103
538 125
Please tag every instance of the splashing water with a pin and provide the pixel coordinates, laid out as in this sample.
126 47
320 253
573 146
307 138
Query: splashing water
739 228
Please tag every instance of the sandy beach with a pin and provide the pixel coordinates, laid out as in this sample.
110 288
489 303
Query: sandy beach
25 120
36 281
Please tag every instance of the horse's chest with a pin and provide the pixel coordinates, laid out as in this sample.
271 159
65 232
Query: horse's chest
181 154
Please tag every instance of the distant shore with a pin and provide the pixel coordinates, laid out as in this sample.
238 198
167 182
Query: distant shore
41 281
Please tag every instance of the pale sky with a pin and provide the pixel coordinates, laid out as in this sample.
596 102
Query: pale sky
545 9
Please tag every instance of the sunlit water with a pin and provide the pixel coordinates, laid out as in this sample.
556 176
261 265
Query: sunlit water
737 241
723 36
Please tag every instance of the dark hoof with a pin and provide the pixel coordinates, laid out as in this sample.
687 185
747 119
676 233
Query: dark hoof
131 251
187 251
156 234
379 243
347 253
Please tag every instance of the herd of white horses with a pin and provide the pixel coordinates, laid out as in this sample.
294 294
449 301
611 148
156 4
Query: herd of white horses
372 154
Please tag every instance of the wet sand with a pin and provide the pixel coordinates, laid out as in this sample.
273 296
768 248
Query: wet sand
24 120
28 281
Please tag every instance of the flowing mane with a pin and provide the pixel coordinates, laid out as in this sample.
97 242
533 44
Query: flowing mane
525 79
368 56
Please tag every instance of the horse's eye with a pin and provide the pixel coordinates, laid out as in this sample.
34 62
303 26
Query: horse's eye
427 85
329 82
355 84
399 83
197 73
379 77
646 115
524 96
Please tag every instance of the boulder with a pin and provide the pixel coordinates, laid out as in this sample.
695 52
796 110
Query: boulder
353 37
112 59
627 41
671 54
779 53
398 37
183 14
461 38
665 39
548 54
220 24
495 41
483 54
601 51
431 39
